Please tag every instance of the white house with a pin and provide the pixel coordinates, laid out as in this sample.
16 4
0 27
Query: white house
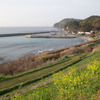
87 33
80 33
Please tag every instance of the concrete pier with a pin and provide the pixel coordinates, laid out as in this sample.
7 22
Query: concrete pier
32 36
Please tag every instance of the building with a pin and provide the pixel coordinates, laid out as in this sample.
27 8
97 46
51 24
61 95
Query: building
87 33
81 33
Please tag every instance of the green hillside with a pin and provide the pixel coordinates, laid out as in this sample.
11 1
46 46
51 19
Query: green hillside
81 81
89 24
72 25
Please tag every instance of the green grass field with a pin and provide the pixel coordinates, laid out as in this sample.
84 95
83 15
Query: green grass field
65 73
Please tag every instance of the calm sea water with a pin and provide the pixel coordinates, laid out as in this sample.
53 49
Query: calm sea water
15 47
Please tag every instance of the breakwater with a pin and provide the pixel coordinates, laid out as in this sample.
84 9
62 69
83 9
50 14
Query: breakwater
21 34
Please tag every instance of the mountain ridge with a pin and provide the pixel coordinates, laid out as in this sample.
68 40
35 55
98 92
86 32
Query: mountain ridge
63 22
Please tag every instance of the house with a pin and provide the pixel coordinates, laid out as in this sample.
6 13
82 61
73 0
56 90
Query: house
93 32
63 29
81 33
87 33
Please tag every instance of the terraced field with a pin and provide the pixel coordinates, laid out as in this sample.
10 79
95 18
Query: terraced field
38 74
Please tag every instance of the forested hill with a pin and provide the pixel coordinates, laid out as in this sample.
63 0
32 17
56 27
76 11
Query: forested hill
88 24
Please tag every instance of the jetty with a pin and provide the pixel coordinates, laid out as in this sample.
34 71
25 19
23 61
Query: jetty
47 36
20 34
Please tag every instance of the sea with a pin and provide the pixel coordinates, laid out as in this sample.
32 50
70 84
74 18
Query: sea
12 48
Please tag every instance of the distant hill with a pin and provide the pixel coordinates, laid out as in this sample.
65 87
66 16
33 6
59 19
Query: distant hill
63 22
88 24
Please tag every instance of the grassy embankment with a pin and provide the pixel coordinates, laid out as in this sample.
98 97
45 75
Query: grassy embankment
81 82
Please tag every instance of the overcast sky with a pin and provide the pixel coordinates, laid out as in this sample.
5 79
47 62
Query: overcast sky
45 12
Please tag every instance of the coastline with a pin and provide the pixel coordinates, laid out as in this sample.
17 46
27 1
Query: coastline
32 61
84 38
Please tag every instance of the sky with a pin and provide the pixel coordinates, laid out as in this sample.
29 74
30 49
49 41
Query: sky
45 12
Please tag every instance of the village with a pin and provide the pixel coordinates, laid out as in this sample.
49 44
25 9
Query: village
62 33
68 32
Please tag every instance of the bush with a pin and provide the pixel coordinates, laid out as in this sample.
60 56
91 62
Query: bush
27 63
75 50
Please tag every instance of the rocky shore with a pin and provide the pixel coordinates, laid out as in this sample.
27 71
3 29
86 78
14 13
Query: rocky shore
86 39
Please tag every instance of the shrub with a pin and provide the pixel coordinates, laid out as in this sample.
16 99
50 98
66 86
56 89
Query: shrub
75 50
27 63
